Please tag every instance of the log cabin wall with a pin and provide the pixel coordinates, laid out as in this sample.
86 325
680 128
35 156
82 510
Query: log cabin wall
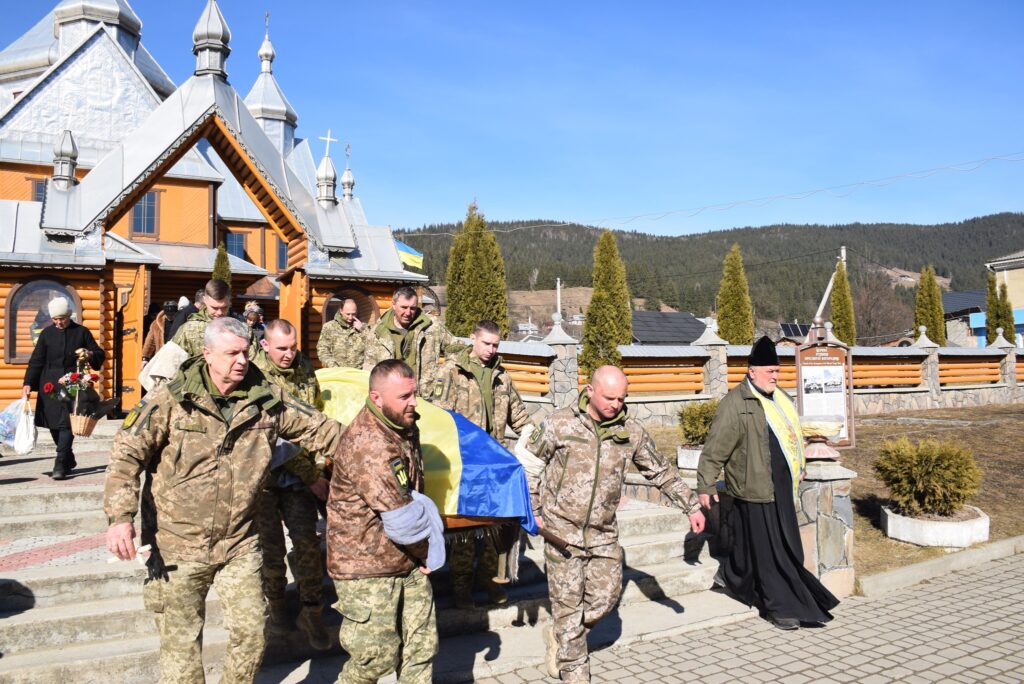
87 286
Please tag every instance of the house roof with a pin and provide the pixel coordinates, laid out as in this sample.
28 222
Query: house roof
22 243
960 303
199 259
665 327
1006 262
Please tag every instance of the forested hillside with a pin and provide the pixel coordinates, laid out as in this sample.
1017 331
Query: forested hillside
787 265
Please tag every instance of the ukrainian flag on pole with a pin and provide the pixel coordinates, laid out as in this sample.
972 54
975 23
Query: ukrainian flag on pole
467 472
409 256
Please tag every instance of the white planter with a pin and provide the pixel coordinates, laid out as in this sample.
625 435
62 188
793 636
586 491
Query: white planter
687 459
949 534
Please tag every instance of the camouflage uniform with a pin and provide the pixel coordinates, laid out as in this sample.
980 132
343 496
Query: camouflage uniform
577 496
457 389
293 503
340 345
206 457
427 342
190 335
386 601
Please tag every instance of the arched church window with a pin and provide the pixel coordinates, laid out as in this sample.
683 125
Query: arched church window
367 309
26 315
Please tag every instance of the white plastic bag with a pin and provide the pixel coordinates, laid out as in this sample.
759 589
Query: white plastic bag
9 418
25 434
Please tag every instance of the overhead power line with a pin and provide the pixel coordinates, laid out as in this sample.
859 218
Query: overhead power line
837 191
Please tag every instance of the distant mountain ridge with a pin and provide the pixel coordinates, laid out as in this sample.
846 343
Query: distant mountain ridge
787 265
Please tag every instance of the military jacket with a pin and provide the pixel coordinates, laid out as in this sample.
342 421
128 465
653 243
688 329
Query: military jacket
431 338
457 390
580 487
341 345
299 382
191 334
205 472
375 470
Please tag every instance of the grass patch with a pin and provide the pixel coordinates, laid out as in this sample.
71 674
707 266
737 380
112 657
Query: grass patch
993 433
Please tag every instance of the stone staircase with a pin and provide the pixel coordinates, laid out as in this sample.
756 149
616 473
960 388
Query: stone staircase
81 619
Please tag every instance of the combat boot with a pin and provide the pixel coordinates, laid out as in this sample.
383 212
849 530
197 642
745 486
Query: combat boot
310 622
278 616
496 594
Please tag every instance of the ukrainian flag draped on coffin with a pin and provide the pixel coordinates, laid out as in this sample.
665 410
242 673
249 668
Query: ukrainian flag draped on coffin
466 471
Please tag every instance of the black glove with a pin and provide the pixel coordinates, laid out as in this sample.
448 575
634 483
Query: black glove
156 568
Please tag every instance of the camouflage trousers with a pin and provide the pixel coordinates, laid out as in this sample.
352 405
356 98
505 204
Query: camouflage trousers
298 509
180 607
460 562
583 588
389 626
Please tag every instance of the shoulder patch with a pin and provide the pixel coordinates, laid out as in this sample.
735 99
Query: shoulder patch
133 415
439 387
401 476
537 434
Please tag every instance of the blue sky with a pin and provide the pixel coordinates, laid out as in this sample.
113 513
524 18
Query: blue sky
600 111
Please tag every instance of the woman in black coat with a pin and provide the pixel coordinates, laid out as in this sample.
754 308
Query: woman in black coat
56 354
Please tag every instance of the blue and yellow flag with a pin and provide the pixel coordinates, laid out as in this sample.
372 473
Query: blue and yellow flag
409 256
467 472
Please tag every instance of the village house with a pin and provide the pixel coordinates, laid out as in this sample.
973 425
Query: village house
116 187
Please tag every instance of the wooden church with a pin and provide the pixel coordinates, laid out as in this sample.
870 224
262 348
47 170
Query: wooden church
116 187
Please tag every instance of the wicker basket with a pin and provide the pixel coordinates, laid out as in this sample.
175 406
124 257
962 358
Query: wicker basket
82 426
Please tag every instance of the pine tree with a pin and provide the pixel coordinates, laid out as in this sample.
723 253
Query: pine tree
1006 321
735 314
609 319
928 307
938 313
476 278
221 265
844 325
992 310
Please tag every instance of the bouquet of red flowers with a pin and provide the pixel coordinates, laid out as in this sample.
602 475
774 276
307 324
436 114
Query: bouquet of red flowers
70 385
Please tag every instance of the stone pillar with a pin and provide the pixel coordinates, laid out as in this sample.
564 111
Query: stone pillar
563 373
930 367
716 369
825 515
1008 366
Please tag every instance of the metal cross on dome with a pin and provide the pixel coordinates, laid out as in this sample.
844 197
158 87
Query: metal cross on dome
329 140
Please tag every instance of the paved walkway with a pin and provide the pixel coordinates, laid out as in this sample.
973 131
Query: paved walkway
964 627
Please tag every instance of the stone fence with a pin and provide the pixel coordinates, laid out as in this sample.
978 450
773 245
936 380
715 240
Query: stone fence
665 378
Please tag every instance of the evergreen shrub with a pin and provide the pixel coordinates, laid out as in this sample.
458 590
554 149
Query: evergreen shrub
695 421
930 477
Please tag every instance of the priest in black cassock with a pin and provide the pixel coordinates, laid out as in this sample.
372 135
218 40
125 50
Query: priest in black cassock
757 440
56 353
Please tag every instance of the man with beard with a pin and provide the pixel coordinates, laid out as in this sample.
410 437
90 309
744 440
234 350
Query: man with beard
384 537
756 438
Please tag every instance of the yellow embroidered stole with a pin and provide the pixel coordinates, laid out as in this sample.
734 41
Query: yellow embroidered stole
784 421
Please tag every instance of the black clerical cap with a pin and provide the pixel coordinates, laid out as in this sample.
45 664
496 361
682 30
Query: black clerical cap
763 353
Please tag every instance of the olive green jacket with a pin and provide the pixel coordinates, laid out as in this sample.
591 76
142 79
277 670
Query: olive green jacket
192 332
457 390
340 345
738 442
301 384
430 337
205 473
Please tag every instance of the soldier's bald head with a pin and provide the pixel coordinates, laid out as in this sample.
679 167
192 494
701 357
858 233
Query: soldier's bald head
609 376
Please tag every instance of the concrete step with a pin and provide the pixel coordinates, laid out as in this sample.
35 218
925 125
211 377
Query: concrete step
51 500
72 604
23 590
53 524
